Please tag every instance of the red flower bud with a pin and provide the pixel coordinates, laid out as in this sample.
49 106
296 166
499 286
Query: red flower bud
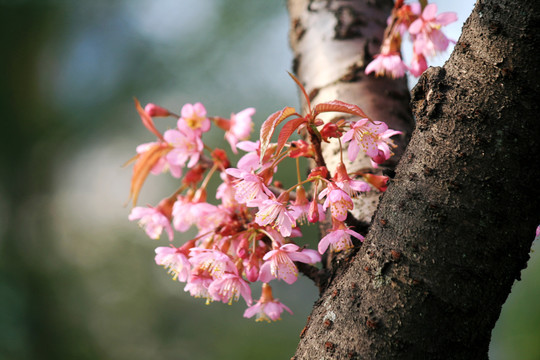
194 175
155 110
330 130
321 171
379 181
313 213
220 158
301 148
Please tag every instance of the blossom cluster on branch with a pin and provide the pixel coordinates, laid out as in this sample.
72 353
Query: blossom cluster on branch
421 21
250 235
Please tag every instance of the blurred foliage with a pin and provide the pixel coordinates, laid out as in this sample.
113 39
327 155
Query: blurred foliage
77 280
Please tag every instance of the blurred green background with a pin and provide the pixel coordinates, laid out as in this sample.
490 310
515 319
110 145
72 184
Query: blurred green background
77 279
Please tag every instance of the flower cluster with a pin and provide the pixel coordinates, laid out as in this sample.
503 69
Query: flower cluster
247 234
423 24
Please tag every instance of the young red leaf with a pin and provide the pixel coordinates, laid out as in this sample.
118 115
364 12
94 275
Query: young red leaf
269 126
143 166
339 106
287 131
147 120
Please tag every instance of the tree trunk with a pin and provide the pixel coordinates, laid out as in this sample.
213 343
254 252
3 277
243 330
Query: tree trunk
454 228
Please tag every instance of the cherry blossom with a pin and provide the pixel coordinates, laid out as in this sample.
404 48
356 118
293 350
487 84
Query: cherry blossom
338 239
187 145
250 161
153 220
215 262
175 260
338 201
371 137
181 212
198 284
250 189
279 263
346 183
267 308
226 191
300 209
240 127
418 63
429 38
194 118
274 212
424 27
250 236
387 63
229 287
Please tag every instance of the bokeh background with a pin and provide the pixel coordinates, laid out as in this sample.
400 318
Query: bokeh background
77 279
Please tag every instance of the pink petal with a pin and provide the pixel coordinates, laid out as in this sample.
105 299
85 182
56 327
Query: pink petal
416 26
429 12
446 18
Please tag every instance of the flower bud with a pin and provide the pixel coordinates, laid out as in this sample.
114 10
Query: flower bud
321 171
219 156
380 157
379 181
330 130
313 213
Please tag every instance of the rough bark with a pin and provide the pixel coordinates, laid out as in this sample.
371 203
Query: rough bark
454 229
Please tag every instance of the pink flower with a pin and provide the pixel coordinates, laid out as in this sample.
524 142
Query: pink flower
387 63
182 216
300 210
187 146
198 284
338 239
429 38
153 220
274 212
371 137
194 118
240 127
226 191
207 216
346 183
280 263
175 261
338 200
418 64
230 287
250 188
213 261
250 161
267 308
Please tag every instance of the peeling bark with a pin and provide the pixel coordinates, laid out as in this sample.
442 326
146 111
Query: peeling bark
454 229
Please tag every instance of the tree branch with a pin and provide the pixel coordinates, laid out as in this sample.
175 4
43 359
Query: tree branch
454 228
